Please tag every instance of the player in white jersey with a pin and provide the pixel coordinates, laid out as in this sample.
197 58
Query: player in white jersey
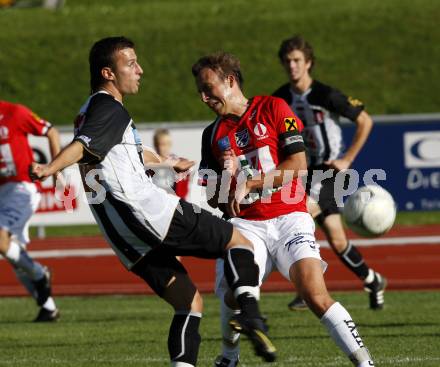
319 106
146 226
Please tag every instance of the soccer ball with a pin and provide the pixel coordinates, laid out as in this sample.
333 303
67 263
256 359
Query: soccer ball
370 211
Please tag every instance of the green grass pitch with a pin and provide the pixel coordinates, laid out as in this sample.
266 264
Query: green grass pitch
132 331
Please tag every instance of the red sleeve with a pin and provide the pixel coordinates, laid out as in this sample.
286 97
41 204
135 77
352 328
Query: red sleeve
31 123
288 127
285 118
182 187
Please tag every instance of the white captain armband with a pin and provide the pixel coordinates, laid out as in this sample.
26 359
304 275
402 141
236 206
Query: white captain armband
288 140
292 142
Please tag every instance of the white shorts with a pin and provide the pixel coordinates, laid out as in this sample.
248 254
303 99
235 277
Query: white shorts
278 243
18 201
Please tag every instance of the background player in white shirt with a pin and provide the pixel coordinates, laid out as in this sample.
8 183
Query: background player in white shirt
320 106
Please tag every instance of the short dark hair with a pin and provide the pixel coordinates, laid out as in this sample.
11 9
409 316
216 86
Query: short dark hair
222 63
102 55
296 42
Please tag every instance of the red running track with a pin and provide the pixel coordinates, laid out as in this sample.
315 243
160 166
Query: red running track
407 266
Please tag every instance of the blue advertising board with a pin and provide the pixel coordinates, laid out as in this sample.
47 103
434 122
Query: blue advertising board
409 153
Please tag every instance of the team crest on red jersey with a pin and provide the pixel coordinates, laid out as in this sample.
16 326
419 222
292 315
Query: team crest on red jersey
242 138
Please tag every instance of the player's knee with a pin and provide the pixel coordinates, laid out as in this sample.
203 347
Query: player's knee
238 239
4 241
197 303
337 240
319 303
182 294
339 245
241 271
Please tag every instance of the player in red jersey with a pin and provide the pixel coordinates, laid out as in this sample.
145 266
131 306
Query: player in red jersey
258 141
19 198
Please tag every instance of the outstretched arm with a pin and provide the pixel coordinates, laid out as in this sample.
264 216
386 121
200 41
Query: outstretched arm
152 160
54 145
68 156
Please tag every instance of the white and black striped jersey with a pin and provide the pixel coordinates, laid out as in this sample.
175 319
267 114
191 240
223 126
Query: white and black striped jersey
320 108
132 212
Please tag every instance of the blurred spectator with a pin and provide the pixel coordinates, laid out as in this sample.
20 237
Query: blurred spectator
165 177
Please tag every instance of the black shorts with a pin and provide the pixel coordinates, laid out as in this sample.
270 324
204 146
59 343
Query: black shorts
326 199
190 234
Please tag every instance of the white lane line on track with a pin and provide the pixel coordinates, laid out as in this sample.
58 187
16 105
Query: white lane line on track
86 252
392 241
364 242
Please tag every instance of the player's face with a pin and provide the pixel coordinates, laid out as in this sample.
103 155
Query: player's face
296 65
127 71
163 145
216 92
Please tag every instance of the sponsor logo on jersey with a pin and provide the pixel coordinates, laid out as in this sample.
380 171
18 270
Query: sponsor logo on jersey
355 102
260 130
242 138
4 132
301 238
291 124
422 149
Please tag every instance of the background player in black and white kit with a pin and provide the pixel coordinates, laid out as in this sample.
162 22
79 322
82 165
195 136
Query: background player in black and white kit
146 226
319 106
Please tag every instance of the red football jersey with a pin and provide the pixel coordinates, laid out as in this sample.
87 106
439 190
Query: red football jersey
266 133
16 122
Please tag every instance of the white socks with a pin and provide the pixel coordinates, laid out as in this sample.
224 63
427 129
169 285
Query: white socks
230 338
370 277
366 364
49 304
13 253
20 259
343 331
27 271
